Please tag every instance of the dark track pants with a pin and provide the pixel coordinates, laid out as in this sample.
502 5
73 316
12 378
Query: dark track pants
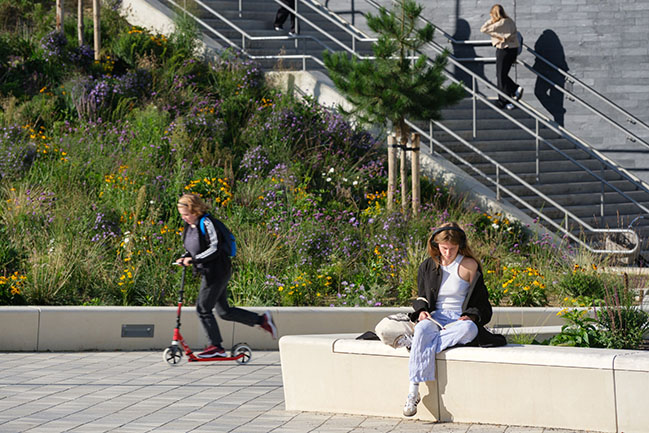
214 293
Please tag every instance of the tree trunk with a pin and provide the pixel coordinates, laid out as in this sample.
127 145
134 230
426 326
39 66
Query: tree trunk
80 21
403 135
414 172
96 15
392 171
59 15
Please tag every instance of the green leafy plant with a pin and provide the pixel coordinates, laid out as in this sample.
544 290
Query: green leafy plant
579 331
582 283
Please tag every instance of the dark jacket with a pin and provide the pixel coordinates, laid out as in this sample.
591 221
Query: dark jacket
210 240
476 305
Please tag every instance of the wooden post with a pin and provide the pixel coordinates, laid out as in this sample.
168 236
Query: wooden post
392 171
414 172
59 15
80 21
96 15
404 174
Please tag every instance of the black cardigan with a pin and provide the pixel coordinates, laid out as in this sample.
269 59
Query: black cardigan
476 305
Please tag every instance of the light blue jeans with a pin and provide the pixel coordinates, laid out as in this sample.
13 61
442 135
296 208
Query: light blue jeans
429 340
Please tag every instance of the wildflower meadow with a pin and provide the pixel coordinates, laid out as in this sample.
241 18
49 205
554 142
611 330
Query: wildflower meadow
94 155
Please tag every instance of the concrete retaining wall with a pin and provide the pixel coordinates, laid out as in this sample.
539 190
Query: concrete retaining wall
102 328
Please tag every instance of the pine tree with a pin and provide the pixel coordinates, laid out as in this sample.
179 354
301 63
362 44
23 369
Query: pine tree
392 87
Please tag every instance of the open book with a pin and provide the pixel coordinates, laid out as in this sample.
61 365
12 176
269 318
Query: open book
448 325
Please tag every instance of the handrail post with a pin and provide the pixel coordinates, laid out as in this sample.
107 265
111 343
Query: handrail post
498 182
538 154
566 221
475 108
430 135
297 20
601 200
240 8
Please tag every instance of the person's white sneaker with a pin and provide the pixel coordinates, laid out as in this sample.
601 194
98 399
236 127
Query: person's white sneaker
410 408
403 341
519 93
510 106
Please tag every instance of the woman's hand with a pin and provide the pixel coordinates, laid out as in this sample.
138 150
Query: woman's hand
424 315
184 261
466 317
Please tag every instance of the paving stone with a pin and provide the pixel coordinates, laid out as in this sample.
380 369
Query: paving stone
133 392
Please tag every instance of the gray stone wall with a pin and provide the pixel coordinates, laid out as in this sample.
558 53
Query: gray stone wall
604 43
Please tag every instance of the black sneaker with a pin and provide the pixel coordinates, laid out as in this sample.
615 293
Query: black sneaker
212 352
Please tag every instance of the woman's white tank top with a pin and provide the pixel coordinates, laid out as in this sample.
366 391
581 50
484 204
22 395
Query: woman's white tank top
453 289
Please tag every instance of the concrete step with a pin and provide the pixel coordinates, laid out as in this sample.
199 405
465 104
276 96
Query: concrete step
527 155
501 145
582 187
557 178
545 167
610 198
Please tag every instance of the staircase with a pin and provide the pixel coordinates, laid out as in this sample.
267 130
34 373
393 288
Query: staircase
558 177
559 182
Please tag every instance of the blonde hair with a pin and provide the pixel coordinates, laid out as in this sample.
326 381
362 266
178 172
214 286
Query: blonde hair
497 12
456 237
194 204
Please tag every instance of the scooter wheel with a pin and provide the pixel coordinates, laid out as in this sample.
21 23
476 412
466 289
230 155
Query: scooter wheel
173 355
242 348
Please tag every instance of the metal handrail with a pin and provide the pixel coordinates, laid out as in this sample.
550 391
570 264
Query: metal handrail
476 95
499 187
499 167
556 128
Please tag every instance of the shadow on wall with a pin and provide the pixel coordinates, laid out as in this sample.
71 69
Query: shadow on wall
549 46
463 33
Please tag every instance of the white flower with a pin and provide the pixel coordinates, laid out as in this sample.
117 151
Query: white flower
495 226
355 183
328 179
331 170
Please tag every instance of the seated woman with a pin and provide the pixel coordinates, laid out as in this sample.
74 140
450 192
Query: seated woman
452 308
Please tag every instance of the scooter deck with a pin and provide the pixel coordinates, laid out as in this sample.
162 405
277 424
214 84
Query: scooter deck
194 358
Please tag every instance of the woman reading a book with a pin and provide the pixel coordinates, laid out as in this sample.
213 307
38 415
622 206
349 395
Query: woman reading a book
451 308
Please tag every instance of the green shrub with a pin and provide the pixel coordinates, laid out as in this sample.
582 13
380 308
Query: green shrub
580 284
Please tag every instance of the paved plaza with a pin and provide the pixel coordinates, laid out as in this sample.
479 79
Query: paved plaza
139 392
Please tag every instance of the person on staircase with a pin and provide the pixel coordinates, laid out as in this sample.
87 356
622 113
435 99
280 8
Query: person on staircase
504 37
282 14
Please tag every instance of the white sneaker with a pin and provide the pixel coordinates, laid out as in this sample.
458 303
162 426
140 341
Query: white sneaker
278 29
510 106
519 93
410 408
403 341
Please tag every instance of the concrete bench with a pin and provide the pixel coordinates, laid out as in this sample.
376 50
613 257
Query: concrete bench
527 385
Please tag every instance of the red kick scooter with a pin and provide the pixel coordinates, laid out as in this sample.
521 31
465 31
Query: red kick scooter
173 354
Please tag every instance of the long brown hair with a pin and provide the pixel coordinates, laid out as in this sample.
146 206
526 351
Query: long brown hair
497 12
456 237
